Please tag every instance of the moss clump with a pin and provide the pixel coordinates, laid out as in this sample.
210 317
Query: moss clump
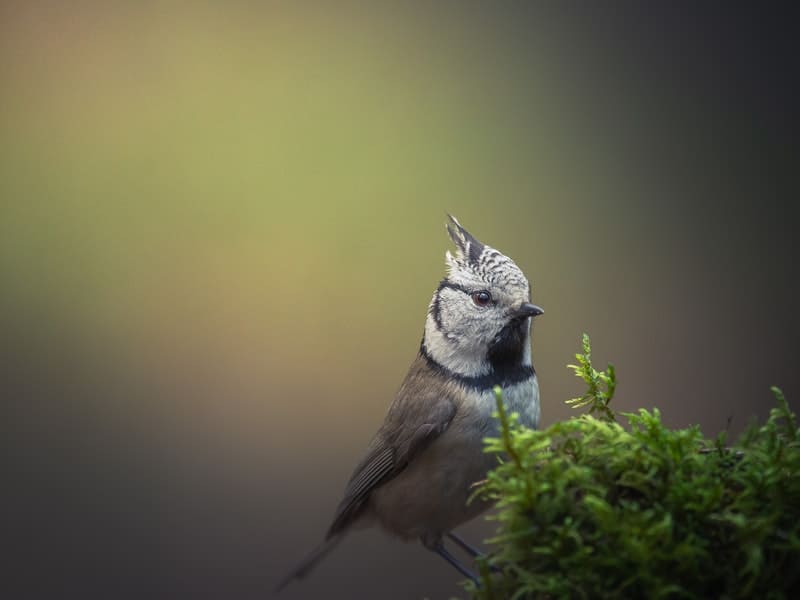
589 508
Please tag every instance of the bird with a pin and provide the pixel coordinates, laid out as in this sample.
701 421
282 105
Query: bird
421 467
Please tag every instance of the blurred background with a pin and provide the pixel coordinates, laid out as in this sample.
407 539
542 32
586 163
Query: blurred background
221 225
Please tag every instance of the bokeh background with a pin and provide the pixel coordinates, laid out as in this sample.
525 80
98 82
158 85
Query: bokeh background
221 225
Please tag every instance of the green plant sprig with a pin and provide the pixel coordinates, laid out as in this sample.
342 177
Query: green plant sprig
601 385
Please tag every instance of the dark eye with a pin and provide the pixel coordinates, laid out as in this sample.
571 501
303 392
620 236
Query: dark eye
482 298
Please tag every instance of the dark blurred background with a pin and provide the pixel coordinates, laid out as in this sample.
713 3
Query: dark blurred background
221 226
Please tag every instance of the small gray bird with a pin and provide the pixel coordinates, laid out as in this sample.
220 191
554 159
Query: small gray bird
420 467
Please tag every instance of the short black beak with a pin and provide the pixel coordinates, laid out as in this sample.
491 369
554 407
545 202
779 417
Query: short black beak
526 309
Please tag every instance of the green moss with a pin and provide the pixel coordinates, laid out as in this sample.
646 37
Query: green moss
593 508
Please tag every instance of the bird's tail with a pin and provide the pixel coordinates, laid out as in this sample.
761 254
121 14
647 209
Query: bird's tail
310 561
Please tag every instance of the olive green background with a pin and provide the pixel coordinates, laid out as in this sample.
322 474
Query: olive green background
220 227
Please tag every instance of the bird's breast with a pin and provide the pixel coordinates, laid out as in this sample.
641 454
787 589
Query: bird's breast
521 398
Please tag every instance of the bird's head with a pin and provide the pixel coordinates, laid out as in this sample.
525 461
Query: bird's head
480 315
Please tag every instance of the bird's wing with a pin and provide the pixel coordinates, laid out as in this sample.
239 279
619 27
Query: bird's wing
410 426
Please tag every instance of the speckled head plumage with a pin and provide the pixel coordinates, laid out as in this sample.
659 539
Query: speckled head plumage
475 262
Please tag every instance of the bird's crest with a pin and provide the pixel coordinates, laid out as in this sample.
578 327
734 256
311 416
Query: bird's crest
475 261
469 249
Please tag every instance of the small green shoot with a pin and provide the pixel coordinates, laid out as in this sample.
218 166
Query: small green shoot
600 385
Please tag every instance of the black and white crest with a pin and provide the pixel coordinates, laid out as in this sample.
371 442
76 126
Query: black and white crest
469 249
474 258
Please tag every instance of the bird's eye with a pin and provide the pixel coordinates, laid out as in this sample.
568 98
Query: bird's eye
482 298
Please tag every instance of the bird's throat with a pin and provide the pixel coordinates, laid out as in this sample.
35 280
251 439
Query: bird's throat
510 350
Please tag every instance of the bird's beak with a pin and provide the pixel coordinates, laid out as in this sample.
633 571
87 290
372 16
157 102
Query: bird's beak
526 309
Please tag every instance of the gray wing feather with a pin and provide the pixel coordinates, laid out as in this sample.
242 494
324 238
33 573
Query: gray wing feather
409 428
372 473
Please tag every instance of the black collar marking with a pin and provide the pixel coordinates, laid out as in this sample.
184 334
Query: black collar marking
504 376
